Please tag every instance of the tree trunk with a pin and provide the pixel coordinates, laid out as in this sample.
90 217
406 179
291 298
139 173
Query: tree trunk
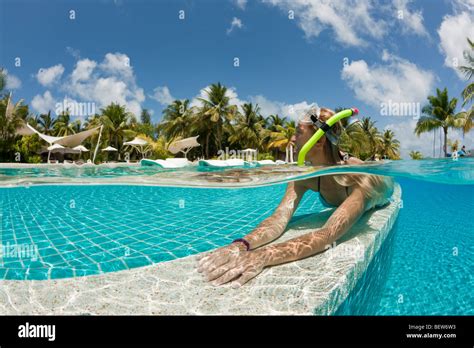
208 135
117 147
445 146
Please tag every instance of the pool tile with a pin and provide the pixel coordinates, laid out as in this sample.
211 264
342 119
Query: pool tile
62 272
37 274
129 228
112 266
136 261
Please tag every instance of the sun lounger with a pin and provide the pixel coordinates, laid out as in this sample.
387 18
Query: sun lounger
169 163
270 162
223 163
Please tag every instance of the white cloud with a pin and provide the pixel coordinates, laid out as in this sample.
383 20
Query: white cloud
48 76
83 70
462 5
404 132
112 80
314 16
73 52
353 22
453 32
412 20
117 64
397 80
11 81
236 23
291 111
162 95
43 103
241 4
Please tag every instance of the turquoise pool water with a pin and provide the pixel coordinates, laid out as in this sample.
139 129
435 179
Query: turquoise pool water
424 266
65 231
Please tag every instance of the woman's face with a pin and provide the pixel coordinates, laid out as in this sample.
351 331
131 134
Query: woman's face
303 133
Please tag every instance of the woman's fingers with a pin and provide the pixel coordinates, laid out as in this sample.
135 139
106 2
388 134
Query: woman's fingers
228 276
218 262
207 259
212 263
245 277
218 272
216 259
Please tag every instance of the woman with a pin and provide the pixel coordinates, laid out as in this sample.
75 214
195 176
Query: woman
353 195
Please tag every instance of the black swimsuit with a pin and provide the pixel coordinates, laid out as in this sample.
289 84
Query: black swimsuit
325 203
323 200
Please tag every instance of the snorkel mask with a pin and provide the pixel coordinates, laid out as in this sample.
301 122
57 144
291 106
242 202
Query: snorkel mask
324 128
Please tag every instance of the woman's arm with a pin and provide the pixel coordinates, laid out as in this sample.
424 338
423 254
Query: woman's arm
272 227
269 229
249 265
309 244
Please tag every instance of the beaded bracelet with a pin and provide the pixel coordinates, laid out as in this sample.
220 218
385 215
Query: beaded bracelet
241 240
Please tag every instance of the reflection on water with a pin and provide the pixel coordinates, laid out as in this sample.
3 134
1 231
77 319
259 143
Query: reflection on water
440 171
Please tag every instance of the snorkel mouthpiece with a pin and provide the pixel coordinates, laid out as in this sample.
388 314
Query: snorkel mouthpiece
323 127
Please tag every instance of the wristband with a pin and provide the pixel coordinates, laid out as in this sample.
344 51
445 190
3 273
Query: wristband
241 240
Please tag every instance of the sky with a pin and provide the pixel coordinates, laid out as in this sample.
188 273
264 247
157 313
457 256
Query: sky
284 55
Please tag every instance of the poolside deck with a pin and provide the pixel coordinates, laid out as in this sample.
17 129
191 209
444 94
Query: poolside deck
316 285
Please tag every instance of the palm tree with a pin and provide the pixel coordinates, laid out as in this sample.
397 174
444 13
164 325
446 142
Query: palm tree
63 125
12 117
274 121
372 134
468 70
3 79
416 155
467 117
145 117
281 138
389 145
115 119
177 119
247 132
439 113
47 123
354 141
214 113
145 125
466 120
76 126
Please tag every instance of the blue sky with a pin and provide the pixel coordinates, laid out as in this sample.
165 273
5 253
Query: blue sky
140 53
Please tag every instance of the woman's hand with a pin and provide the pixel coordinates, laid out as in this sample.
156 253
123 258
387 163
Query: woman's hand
208 262
240 268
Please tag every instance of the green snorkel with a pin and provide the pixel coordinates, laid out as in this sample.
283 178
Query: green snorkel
323 128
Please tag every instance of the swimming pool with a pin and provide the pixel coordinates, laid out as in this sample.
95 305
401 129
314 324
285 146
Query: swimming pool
424 267
89 229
